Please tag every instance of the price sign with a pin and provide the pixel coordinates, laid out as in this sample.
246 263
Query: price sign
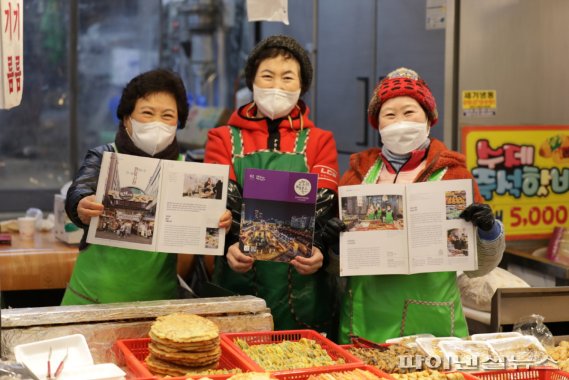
523 173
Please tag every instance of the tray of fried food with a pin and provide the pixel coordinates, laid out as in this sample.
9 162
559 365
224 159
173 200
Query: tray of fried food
525 349
468 354
430 346
497 335
560 354
409 340
387 358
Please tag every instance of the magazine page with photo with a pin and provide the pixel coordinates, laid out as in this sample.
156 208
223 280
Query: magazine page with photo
375 241
129 189
278 214
193 196
406 228
160 205
439 240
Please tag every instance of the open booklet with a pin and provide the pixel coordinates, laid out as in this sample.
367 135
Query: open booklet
160 205
277 219
404 229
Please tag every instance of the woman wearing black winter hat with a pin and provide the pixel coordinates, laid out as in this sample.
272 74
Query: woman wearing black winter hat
274 132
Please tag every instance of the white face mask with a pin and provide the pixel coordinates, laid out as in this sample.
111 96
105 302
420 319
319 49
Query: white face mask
152 137
404 137
273 102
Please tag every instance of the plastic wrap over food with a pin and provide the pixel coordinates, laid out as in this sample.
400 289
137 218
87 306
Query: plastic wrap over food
533 325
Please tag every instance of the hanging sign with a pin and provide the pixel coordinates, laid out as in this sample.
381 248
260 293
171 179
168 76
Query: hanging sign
523 173
267 10
11 53
479 103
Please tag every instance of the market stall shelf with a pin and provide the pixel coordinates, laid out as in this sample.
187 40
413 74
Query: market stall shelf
102 325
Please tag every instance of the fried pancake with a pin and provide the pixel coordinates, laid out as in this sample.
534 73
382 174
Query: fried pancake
194 359
206 345
166 347
164 368
184 328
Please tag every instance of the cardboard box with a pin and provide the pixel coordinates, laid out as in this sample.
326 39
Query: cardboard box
64 228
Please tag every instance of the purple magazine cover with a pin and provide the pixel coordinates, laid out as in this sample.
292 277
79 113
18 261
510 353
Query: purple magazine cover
278 214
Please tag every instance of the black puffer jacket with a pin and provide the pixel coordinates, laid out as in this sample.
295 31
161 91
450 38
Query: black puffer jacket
84 184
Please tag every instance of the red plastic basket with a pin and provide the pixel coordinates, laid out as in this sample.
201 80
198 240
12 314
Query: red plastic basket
524 374
136 350
303 375
274 337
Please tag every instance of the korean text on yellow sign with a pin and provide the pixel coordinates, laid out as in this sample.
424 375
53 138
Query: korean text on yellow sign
523 173
474 99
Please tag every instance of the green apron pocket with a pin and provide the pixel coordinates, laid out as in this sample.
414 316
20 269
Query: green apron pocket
436 318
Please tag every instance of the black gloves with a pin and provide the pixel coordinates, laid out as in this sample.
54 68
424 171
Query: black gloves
331 232
480 215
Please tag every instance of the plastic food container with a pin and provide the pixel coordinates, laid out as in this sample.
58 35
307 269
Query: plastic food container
409 340
430 346
77 366
469 355
524 350
499 335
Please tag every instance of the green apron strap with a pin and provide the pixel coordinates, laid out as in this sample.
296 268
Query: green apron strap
301 139
237 142
438 174
372 174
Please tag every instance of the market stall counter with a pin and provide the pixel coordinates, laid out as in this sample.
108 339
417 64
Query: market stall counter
104 324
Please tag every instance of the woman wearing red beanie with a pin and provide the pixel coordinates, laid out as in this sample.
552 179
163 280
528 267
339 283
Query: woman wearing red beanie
274 132
380 307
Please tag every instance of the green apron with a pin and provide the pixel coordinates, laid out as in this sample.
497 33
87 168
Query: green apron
389 217
105 274
296 301
389 306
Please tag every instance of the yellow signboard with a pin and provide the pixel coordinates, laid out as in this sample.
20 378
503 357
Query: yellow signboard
475 99
523 173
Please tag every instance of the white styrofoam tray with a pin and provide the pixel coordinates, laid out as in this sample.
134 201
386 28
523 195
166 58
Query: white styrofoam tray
78 365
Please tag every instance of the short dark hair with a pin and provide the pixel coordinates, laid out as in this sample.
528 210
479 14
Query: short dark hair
272 47
272 53
151 82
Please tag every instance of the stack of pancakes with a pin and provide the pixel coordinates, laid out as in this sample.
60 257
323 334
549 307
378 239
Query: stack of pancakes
183 343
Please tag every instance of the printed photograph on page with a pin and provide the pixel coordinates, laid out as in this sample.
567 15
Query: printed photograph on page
373 212
130 191
278 214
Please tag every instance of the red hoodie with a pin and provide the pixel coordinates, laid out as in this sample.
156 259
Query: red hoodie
321 154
